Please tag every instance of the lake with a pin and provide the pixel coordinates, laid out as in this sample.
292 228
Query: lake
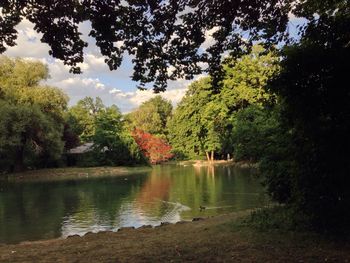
167 193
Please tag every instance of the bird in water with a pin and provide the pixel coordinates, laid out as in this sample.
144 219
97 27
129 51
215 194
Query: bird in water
201 208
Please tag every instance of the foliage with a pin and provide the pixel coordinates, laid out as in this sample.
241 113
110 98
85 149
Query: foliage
317 113
82 117
107 125
279 217
254 128
245 79
154 148
151 116
113 145
18 73
31 115
187 132
205 120
158 34
26 132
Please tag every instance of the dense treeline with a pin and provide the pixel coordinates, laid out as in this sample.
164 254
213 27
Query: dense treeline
213 120
103 127
38 130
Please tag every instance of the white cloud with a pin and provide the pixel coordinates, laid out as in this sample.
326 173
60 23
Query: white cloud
28 42
113 87
131 100
209 39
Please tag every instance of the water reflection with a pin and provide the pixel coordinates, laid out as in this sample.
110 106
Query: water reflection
169 193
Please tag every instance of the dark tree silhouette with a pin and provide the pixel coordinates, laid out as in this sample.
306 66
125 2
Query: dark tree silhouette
157 33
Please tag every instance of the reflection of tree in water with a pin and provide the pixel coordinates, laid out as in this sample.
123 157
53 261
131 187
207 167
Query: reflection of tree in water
199 170
155 190
34 211
31 211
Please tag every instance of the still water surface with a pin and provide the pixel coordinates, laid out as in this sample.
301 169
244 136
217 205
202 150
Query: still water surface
168 193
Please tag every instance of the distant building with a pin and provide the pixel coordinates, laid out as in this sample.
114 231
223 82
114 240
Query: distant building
84 148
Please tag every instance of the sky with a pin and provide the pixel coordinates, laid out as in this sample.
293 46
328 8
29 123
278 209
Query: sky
113 87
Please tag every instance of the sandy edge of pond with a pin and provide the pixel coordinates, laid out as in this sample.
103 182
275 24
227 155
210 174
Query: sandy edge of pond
205 163
74 173
216 239
54 174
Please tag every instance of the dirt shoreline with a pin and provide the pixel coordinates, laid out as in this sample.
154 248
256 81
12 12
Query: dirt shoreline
53 174
74 173
203 163
217 239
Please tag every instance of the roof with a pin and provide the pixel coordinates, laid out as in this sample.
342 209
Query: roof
86 147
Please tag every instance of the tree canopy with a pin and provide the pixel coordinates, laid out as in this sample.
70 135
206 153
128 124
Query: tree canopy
157 33
204 119
151 116
31 115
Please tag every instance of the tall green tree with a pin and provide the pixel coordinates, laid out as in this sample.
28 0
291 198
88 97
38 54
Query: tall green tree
151 116
31 115
245 79
211 110
104 126
113 144
82 117
187 132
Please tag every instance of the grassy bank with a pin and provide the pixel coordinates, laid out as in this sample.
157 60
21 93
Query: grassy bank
223 238
74 173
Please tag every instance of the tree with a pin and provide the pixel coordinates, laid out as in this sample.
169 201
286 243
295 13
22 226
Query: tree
245 79
317 113
25 132
19 73
112 144
158 34
151 116
187 131
156 149
108 126
31 115
205 118
82 117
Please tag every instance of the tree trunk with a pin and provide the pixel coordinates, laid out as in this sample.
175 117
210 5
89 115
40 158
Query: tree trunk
208 157
19 156
19 159
212 156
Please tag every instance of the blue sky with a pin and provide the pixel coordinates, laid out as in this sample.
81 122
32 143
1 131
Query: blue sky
114 87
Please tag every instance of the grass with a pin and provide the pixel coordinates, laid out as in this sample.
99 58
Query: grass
226 238
74 173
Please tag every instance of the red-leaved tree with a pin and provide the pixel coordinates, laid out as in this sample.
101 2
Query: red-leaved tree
154 148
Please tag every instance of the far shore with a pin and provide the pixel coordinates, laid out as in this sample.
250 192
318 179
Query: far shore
92 172
199 163
74 173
